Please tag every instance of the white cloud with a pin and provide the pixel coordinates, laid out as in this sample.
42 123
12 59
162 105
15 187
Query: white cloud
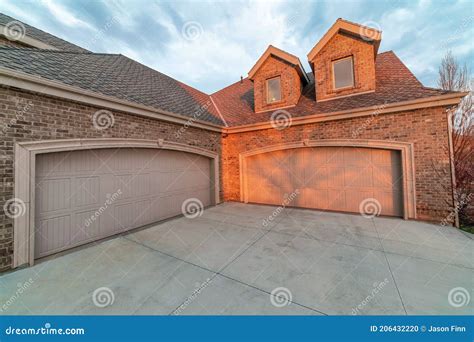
235 33
64 16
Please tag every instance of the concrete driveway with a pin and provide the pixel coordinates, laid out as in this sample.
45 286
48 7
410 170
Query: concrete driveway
227 261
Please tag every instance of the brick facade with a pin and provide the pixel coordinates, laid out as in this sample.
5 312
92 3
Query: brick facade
338 47
426 128
26 116
290 84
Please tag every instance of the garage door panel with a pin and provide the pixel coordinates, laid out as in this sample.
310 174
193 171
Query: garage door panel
86 191
336 176
390 202
84 161
385 157
355 197
312 158
54 163
73 186
140 185
358 176
356 157
123 182
334 155
314 198
332 178
51 234
384 177
316 177
56 194
336 200
124 215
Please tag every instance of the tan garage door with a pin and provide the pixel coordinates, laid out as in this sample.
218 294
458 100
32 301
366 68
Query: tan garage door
327 178
87 195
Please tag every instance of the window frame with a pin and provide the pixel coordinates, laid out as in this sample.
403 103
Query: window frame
268 88
333 63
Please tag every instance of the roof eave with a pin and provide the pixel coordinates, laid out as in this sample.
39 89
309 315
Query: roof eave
432 101
41 85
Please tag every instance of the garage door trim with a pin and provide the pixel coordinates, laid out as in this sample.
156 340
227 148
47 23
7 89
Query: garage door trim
406 152
25 163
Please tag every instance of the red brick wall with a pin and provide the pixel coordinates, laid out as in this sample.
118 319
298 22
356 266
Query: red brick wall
426 128
29 117
290 84
341 46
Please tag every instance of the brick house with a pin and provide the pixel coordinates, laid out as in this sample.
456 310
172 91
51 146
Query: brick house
82 131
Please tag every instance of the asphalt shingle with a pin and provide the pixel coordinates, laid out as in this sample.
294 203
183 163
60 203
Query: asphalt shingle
113 75
42 36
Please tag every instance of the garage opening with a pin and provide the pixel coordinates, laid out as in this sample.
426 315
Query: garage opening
327 178
85 195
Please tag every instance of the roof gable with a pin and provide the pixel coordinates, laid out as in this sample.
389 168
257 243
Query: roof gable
341 25
288 57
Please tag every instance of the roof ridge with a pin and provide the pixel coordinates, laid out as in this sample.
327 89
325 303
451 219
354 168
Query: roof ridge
59 51
44 32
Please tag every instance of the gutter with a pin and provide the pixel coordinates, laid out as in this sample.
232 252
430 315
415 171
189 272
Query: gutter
41 85
433 101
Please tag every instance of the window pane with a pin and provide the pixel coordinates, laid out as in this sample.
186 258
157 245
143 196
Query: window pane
273 90
343 75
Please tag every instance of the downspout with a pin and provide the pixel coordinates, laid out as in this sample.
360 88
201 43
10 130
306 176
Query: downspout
450 127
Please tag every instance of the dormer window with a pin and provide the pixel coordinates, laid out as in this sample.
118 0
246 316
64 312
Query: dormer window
343 72
273 90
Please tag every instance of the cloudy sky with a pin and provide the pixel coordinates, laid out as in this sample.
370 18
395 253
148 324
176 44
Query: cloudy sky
210 44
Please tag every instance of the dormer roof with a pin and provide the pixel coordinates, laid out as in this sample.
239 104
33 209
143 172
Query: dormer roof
288 57
369 34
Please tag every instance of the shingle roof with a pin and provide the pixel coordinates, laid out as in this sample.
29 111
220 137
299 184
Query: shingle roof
42 36
394 83
113 75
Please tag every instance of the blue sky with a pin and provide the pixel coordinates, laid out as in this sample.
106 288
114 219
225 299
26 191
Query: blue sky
210 44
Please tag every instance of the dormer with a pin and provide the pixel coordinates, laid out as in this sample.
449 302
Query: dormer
278 79
343 61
